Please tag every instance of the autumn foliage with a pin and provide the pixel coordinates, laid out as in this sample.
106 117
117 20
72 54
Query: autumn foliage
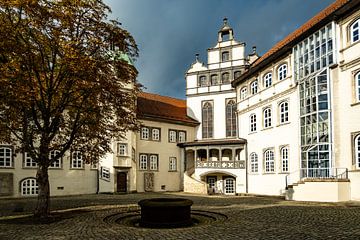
66 82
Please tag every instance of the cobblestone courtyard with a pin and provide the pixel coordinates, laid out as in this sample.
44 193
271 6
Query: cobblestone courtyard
246 218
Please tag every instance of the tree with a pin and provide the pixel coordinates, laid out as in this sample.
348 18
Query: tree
64 82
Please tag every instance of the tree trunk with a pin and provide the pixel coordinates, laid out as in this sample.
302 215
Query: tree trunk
42 210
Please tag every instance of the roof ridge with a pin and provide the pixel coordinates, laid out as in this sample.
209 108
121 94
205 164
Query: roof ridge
164 96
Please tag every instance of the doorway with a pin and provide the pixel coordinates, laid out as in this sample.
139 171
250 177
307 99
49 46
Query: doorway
229 186
121 182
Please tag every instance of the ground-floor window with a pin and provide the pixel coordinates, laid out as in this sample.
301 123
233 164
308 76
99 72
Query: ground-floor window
357 151
29 187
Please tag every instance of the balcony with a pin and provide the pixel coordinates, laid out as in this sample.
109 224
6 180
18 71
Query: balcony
221 164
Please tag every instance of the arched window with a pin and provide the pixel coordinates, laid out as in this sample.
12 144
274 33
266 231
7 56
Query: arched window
243 93
29 187
254 87
214 80
207 120
284 112
354 31
237 74
268 80
225 78
357 151
231 119
267 117
203 81
254 164
357 84
284 152
6 157
282 72
269 161
253 123
225 56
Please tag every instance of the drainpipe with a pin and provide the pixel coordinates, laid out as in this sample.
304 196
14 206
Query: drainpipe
97 181
246 167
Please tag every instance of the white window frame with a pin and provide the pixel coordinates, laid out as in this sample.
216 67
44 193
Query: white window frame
155 134
143 161
254 163
144 134
172 164
282 71
267 117
77 161
29 162
243 93
57 163
269 161
122 149
268 80
354 30
253 123
284 112
357 85
254 87
172 136
29 187
105 173
153 162
357 151
284 154
182 136
6 157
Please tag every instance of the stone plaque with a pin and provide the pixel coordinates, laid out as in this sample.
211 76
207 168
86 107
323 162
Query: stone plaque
148 181
6 184
242 164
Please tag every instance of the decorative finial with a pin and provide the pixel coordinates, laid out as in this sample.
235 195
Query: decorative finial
197 57
225 20
254 49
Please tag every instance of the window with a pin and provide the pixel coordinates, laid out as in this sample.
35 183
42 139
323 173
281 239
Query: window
29 187
144 133
155 134
143 162
29 162
231 118
357 79
225 56
269 161
253 122
284 112
6 157
267 118
76 160
182 136
243 93
133 154
254 164
357 151
105 173
203 81
282 72
172 136
207 120
153 162
122 149
57 162
354 31
237 74
214 80
172 164
268 80
225 78
254 87
284 152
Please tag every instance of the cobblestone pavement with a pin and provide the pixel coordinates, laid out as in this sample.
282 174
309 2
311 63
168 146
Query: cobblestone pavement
247 218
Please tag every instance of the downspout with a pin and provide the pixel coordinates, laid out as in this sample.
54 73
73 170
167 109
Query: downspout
246 168
97 180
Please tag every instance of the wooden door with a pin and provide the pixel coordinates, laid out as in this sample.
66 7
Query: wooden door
121 182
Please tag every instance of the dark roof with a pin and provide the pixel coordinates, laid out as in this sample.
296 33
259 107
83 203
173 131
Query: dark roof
213 142
332 11
161 108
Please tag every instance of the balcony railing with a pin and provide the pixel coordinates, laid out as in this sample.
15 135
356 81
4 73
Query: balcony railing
221 164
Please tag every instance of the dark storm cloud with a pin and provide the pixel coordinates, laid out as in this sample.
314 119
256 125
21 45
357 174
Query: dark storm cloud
170 32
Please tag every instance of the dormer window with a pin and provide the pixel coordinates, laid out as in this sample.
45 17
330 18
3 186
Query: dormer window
203 81
225 56
225 78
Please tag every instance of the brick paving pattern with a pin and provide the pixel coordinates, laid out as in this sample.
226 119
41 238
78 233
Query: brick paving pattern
248 218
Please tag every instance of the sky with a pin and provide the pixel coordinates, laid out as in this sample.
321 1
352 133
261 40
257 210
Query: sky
170 32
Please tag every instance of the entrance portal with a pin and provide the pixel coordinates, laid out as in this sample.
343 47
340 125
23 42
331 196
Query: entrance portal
121 182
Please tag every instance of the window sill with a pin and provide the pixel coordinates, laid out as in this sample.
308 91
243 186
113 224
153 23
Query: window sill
56 168
266 128
251 133
172 170
349 46
254 173
77 168
268 173
7 167
282 124
283 173
30 168
355 104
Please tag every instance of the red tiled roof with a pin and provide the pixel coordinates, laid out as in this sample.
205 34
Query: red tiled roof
153 106
292 38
